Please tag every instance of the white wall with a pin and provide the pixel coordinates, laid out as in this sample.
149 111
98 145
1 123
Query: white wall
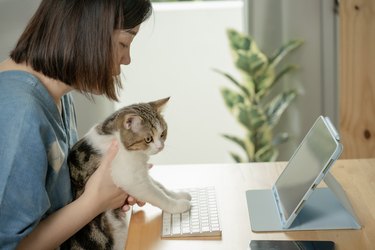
174 55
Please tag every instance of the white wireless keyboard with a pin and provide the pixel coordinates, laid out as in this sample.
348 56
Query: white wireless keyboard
201 220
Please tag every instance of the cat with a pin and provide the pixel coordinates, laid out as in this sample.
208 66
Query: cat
141 131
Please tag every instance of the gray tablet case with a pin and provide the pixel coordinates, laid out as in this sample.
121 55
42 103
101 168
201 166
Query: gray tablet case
318 208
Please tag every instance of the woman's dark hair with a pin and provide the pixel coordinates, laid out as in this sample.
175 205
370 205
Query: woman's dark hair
71 41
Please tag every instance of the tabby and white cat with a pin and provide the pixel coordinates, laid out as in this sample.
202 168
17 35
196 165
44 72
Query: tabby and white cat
141 131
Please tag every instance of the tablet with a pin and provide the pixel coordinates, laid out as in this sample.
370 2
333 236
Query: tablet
317 152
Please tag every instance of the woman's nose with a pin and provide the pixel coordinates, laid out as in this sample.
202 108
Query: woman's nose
126 59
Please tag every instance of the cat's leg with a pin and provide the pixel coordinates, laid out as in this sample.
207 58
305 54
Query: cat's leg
148 191
118 222
175 195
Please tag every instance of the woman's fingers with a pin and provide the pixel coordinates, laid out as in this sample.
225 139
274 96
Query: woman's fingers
132 201
141 203
110 154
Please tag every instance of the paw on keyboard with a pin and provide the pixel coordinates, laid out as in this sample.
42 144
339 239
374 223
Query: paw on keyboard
201 220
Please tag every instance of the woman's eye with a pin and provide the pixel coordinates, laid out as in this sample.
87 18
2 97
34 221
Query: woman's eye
148 139
123 45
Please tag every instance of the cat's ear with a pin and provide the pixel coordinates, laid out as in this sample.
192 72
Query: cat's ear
133 122
159 105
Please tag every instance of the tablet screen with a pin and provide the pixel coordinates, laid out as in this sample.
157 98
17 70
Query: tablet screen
305 166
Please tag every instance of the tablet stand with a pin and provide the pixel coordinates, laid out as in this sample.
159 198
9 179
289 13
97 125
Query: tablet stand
325 209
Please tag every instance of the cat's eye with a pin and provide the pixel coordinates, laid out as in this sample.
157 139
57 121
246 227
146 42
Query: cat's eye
148 139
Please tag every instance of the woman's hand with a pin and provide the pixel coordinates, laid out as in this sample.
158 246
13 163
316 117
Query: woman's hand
130 201
100 187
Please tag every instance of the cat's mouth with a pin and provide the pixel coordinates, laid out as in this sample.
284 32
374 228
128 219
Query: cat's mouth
154 151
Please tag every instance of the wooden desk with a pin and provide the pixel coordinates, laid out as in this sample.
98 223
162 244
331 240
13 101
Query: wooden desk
231 181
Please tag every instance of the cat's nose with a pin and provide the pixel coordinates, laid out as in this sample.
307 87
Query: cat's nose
159 146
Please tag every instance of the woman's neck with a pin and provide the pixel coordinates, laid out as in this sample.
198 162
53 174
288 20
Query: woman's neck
55 88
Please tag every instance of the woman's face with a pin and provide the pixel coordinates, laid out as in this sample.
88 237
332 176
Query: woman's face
122 41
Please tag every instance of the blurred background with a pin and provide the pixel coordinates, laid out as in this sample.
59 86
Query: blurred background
175 55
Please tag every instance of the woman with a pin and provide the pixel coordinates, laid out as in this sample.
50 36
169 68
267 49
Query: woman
68 44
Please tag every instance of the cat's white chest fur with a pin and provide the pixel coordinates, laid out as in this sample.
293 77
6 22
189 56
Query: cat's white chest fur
128 167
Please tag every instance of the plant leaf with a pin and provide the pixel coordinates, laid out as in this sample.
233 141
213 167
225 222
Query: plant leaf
236 140
284 51
232 99
247 56
237 40
263 136
243 116
264 83
256 117
246 145
283 72
236 157
278 105
244 90
266 154
250 147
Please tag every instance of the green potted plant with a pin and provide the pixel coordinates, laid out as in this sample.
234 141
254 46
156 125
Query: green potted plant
255 106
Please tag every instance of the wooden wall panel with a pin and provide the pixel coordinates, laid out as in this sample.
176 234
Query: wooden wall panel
357 78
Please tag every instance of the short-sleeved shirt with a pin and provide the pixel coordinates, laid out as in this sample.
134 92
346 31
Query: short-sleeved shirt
35 139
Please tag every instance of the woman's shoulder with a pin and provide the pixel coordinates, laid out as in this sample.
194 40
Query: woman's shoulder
17 83
21 92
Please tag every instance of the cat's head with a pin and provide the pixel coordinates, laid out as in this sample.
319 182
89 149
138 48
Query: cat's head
143 128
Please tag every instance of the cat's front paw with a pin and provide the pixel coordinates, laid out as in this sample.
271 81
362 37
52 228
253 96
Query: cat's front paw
183 195
180 207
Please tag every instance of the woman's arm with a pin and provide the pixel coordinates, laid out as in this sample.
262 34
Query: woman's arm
100 195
